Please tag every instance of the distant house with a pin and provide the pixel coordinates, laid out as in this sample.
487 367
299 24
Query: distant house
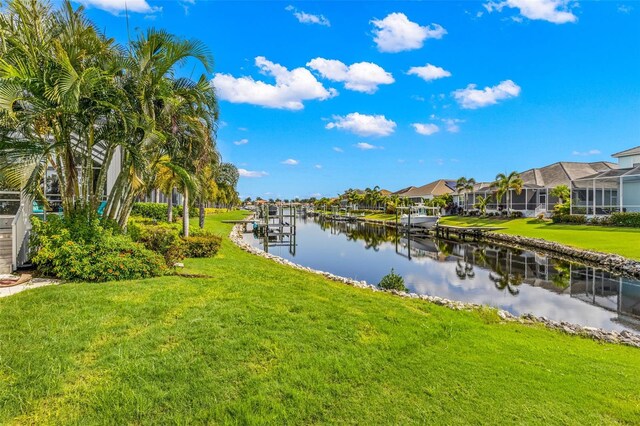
609 191
535 197
428 191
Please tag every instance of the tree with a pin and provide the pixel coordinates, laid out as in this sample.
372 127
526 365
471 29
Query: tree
481 203
465 185
507 183
562 192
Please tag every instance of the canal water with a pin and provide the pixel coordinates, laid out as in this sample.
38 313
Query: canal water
518 281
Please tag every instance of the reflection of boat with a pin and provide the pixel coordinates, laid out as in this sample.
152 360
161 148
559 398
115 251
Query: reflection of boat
421 216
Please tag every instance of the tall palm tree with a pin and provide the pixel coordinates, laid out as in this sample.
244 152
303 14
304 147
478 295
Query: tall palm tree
464 185
507 183
481 203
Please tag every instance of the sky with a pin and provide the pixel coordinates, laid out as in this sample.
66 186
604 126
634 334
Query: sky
318 97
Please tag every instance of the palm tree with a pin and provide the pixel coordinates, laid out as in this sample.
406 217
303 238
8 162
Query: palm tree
481 203
465 185
507 183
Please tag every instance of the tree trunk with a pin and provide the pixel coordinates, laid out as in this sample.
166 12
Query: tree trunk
185 213
170 206
201 223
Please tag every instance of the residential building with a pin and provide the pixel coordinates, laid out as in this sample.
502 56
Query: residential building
609 191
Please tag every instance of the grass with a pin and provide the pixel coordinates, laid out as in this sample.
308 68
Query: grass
381 216
260 343
622 241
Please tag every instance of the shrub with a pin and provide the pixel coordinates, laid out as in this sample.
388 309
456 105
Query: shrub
516 214
569 218
562 209
202 245
74 249
161 237
392 281
158 211
631 220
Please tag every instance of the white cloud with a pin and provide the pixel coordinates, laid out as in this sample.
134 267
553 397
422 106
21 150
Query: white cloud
587 153
241 142
426 129
117 6
291 88
318 166
429 72
451 124
251 173
556 11
397 33
363 125
623 8
472 98
366 146
291 162
307 18
361 77
336 149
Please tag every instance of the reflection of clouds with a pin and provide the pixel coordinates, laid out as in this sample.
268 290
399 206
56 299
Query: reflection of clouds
334 253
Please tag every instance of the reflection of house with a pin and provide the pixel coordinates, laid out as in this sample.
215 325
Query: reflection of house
429 191
616 190
537 184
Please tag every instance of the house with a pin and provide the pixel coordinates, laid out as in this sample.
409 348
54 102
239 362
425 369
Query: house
429 191
538 183
609 191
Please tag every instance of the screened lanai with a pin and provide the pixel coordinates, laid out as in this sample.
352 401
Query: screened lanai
608 192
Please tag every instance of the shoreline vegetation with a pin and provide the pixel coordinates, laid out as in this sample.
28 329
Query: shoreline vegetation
254 341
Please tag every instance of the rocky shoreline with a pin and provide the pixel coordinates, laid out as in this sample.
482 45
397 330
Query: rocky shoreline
624 337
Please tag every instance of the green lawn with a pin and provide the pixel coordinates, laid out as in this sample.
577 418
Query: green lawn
622 241
257 342
381 216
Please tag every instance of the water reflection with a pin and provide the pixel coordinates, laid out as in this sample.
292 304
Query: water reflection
519 281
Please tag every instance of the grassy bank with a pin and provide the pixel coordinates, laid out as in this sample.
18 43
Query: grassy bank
622 241
256 342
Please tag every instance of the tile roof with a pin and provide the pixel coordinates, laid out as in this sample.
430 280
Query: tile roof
435 188
562 173
628 152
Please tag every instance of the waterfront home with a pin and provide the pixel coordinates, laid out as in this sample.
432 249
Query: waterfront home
609 191
536 198
429 191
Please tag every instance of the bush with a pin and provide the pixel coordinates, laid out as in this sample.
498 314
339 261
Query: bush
631 220
202 245
81 250
158 211
562 209
517 214
392 281
161 237
569 218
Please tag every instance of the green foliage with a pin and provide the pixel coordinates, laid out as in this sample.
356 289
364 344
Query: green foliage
561 192
630 220
161 237
157 211
569 218
562 208
202 245
392 281
78 250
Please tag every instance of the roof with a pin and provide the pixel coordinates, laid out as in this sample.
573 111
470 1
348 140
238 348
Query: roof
628 152
435 188
614 174
385 192
403 190
563 173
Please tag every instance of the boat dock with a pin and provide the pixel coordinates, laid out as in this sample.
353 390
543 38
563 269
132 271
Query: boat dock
475 232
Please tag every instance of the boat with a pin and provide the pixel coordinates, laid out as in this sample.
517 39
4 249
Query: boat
421 216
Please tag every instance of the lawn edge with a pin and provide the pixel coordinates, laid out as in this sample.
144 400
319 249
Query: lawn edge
625 337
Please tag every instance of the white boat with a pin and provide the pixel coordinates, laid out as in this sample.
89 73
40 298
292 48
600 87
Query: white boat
421 216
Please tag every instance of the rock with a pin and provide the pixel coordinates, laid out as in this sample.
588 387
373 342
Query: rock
178 265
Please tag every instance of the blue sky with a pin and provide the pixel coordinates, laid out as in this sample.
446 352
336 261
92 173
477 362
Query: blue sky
439 89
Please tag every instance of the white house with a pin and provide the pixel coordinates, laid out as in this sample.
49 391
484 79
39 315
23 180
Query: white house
616 190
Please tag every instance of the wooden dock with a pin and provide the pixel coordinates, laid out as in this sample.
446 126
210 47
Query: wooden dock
475 232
